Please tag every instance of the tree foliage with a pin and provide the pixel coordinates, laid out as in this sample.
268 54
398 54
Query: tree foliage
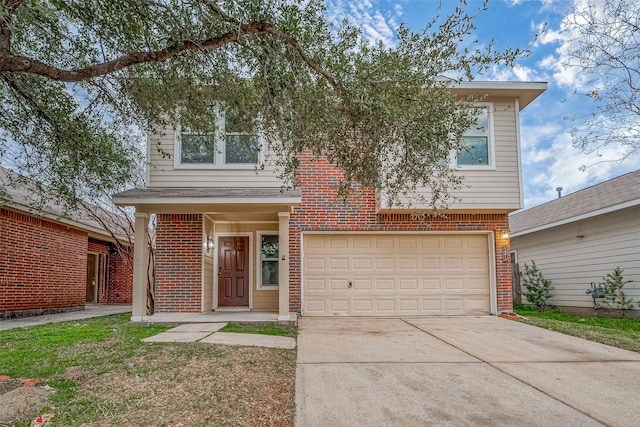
537 288
607 49
80 79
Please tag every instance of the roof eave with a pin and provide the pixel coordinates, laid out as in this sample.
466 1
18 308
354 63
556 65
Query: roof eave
581 217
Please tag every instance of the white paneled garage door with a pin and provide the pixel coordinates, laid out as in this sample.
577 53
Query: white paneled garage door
395 274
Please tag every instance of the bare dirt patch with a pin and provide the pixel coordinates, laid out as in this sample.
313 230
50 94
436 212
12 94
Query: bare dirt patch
17 401
196 384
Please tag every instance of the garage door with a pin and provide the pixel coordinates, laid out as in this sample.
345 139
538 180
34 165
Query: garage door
395 274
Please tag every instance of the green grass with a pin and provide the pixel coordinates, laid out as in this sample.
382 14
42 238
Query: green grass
90 347
618 332
262 329
45 351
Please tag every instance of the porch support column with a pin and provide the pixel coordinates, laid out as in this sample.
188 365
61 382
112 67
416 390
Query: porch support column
140 271
283 267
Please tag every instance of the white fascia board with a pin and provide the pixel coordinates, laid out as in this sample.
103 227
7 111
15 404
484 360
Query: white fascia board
581 217
206 201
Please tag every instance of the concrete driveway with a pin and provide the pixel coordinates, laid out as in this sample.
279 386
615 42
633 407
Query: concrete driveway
459 371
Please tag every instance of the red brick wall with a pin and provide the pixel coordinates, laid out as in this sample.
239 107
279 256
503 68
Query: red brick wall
102 249
43 265
323 210
115 274
120 286
178 261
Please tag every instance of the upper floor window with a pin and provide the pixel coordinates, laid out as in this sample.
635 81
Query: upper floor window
236 143
477 142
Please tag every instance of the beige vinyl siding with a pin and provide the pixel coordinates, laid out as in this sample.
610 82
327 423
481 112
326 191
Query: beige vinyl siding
262 299
492 188
572 263
163 173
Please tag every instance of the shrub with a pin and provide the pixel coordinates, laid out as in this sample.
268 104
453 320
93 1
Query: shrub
614 297
538 289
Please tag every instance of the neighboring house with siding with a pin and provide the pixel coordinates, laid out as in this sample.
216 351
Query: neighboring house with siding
227 237
54 261
579 238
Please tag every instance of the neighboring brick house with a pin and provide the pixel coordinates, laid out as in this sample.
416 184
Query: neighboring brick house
53 262
227 237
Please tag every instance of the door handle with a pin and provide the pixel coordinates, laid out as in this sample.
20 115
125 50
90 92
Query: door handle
219 271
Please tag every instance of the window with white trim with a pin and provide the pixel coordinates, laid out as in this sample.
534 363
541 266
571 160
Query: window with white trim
236 143
269 251
477 142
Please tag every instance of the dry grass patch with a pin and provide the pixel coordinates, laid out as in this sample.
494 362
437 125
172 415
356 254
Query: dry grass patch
198 384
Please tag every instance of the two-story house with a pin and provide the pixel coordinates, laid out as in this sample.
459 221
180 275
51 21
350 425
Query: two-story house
227 236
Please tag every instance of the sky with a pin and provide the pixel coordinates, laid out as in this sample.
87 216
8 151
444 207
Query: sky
549 159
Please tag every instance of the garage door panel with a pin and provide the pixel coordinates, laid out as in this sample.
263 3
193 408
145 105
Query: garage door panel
384 264
395 275
383 284
362 263
407 264
409 284
431 263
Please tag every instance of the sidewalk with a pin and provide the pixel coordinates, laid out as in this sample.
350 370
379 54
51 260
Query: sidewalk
90 310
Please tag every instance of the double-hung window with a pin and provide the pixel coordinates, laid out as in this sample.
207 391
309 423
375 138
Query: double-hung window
236 143
477 142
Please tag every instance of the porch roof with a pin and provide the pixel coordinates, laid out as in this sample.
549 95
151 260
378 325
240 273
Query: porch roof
210 199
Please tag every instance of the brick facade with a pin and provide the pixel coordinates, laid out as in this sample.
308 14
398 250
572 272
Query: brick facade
178 261
115 272
323 210
43 267
120 289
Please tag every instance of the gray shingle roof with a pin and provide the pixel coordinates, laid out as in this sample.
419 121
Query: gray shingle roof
20 193
622 190
195 192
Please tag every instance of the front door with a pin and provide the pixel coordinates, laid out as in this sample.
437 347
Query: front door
92 261
233 271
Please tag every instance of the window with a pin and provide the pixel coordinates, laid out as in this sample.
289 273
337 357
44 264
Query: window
269 253
237 143
477 144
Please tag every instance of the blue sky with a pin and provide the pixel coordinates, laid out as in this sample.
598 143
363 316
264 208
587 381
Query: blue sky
549 159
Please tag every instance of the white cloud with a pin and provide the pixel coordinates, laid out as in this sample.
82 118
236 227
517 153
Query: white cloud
366 14
559 164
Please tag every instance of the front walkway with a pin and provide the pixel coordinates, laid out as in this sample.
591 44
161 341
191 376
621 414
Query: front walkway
90 310
215 317
208 333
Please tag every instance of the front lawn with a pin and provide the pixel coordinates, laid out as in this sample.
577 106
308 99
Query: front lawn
103 374
618 332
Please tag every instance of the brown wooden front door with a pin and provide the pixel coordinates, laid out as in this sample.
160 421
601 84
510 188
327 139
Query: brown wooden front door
233 271
92 279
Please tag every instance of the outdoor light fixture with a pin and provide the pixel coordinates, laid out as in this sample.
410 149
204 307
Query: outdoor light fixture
210 244
505 246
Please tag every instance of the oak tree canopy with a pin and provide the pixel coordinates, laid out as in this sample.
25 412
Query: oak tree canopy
80 79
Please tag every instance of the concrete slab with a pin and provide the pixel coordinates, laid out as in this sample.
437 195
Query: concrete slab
198 327
608 391
90 310
496 340
212 317
177 337
356 340
251 340
459 371
425 394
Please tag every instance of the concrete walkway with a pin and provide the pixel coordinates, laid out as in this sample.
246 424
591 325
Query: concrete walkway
459 371
90 310
208 333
